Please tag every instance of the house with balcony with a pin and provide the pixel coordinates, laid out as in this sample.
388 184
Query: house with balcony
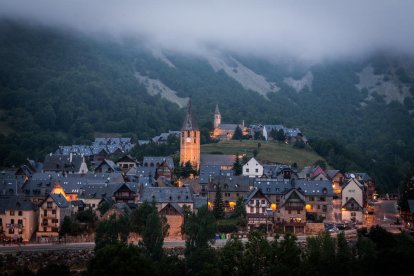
51 214
259 209
18 218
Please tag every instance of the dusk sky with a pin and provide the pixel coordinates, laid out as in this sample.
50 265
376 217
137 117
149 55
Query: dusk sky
303 29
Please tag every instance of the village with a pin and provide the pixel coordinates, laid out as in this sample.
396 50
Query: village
37 199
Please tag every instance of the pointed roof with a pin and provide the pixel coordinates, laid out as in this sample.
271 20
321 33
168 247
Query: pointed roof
217 110
189 122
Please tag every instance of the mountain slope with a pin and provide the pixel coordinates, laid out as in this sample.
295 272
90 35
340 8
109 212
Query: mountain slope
58 87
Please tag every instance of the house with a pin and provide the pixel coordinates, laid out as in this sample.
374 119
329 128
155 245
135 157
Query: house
292 211
127 193
18 217
259 209
366 180
313 173
51 214
174 214
164 171
231 188
337 179
163 137
65 164
96 194
253 168
317 196
37 189
352 201
126 162
107 166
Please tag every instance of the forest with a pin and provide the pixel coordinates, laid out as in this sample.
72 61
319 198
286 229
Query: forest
58 87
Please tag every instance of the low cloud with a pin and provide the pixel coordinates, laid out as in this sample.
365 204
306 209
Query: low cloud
302 29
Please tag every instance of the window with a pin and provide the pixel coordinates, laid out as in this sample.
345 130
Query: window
289 212
252 202
20 221
44 229
53 212
49 204
298 212
251 209
263 209
263 201
20 213
257 170
319 206
45 212
227 194
12 221
11 231
257 202
247 170
11 213
311 198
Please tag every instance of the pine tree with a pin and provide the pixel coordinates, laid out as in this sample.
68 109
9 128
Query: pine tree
218 209
237 166
238 134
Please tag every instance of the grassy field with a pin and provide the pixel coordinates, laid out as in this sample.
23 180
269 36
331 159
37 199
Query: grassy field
268 151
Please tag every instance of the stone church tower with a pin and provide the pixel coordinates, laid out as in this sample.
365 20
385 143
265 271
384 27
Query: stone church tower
190 140
217 117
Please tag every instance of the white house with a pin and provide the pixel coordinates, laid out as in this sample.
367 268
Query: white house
252 168
268 128
352 201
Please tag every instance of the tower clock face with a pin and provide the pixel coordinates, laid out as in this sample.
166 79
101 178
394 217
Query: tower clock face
188 140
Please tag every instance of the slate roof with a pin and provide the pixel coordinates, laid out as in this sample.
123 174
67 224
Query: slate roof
158 159
38 187
359 176
229 127
206 172
110 164
10 185
175 206
163 137
331 173
98 191
199 201
238 183
167 194
127 158
275 170
269 128
61 162
307 187
16 203
252 193
217 160
60 200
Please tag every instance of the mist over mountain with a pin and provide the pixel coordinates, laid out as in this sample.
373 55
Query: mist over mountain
343 74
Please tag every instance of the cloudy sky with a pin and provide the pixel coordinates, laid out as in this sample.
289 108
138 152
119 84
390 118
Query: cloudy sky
304 29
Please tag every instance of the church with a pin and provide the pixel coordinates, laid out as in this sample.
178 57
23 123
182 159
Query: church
224 131
190 140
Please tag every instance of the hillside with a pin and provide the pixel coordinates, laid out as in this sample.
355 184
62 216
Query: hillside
59 87
268 151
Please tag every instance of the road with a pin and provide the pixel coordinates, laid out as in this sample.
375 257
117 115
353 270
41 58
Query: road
385 215
36 247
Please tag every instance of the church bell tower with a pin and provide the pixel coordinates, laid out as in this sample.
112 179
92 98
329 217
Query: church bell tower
190 140
217 117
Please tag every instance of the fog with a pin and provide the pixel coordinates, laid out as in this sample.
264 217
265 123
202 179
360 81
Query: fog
301 29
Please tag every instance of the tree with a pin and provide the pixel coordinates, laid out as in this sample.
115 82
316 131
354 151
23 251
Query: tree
120 258
218 208
257 254
280 135
343 255
138 218
230 257
239 209
111 231
237 166
321 164
238 134
200 229
66 227
155 230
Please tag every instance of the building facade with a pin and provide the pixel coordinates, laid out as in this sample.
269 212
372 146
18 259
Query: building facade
190 141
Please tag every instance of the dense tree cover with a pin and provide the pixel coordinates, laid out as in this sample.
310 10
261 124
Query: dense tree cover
218 204
57 87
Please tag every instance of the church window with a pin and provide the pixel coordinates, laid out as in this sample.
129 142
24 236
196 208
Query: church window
195 141
188 133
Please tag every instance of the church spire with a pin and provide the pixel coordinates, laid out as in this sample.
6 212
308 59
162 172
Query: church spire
189 121
217 110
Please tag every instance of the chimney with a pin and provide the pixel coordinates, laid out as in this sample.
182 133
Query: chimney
70 158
